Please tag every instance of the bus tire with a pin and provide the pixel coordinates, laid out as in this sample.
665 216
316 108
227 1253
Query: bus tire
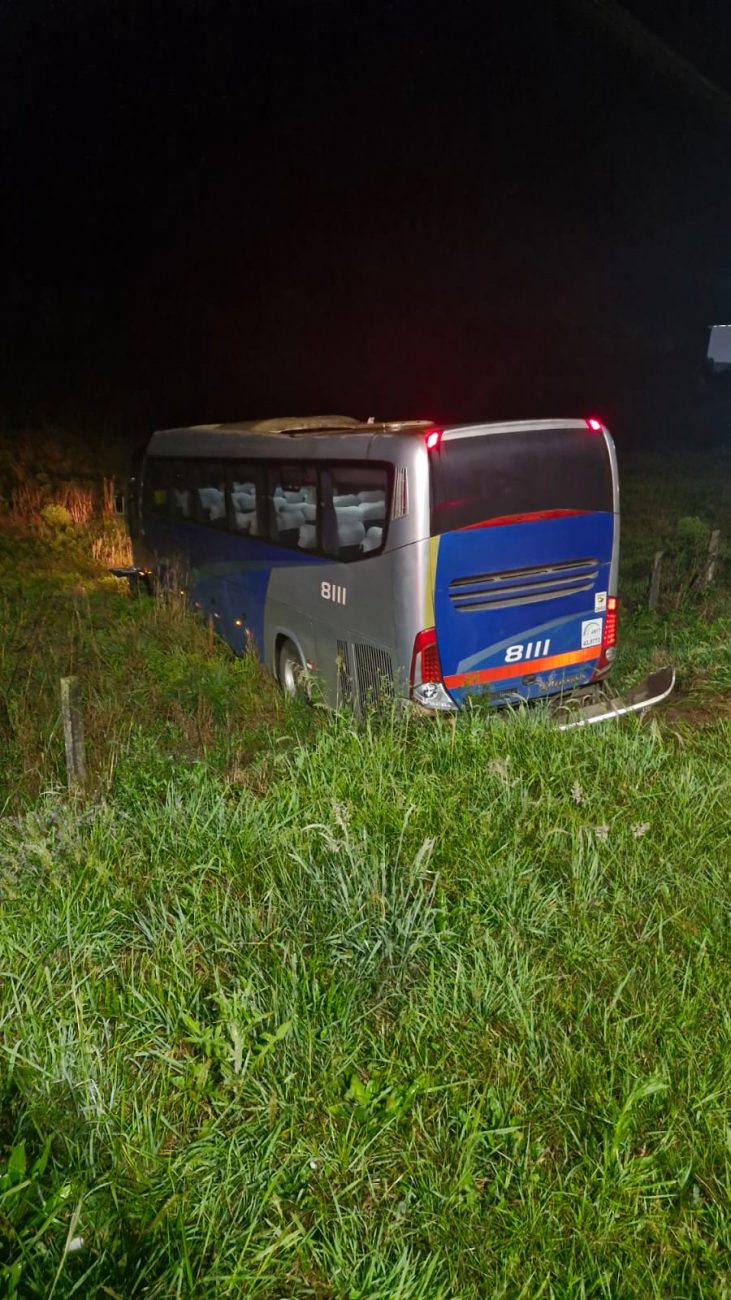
291 672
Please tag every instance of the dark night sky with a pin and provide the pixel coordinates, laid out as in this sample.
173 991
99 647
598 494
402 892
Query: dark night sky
461 210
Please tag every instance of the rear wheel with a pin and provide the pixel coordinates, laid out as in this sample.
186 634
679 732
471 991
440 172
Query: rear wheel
291 671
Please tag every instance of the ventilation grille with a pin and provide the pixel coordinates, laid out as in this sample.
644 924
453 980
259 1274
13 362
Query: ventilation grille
375 674
345 681
400 493
522 586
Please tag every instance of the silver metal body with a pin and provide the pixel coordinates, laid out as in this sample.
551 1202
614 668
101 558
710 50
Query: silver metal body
353 644
352 623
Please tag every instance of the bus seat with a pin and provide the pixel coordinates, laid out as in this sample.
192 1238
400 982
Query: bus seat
212 500
309 511
291 518
243 487
246 521
294 497
349 514
374 494
182 502
244 500
375 510
350 532
373 539
308 536
350 500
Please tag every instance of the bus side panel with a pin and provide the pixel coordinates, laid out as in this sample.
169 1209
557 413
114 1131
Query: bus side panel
350 604
252 590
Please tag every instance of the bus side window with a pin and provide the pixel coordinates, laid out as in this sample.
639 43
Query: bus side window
356 510
245 498
211 494
293 509
181 503
156 486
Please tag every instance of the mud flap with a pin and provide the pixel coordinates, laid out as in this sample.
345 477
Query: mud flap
573 711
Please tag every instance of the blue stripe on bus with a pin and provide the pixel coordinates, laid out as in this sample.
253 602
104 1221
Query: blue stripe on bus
229 574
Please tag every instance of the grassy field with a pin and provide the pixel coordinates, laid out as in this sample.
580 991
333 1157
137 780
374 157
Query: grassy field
292 1006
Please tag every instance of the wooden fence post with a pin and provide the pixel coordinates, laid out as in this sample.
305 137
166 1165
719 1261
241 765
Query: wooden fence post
654 595
73 732
714 545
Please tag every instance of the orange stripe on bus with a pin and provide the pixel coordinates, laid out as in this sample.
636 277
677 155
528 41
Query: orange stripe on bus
521 669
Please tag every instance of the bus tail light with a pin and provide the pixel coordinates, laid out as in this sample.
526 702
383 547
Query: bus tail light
609 641
426 686
433 439
425 665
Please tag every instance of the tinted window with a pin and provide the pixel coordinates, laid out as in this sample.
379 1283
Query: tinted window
293 505
247 492
355 500
482 478
155 487
181 479
170 485
210 495
340 511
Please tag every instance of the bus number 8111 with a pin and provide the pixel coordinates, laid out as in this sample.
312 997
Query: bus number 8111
332 591
515 654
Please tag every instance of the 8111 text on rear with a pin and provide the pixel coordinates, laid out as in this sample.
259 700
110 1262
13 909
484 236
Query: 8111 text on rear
515 654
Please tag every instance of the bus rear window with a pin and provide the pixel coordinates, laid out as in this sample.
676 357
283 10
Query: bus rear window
489 476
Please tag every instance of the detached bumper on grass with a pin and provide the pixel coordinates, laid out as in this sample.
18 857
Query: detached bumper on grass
582 711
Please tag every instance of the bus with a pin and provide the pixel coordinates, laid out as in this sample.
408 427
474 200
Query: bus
433 564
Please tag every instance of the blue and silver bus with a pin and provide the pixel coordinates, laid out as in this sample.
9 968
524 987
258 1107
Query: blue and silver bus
436 564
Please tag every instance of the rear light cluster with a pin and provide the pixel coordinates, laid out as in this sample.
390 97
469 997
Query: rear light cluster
609 641
426 686
425 665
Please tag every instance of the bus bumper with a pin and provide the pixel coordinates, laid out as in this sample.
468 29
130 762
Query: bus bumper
580 710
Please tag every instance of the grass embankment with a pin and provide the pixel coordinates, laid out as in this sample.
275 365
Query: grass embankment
292 1006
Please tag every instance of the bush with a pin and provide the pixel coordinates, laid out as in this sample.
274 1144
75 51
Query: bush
56 517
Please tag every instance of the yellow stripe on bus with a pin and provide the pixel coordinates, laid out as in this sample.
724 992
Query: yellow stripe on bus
430 583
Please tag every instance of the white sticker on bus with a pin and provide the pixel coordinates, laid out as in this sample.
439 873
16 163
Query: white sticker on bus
591 632
600 601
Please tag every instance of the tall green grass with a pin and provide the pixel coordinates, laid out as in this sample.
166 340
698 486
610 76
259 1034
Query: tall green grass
292 1006
440 1012
151 676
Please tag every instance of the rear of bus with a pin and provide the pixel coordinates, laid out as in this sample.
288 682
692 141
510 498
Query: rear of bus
522 573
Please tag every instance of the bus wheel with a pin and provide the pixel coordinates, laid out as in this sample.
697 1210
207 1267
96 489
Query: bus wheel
291 671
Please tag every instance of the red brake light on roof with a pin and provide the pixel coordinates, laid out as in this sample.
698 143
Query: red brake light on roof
433 439
594 424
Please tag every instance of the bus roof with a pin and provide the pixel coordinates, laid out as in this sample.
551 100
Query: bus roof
326 425
313 424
